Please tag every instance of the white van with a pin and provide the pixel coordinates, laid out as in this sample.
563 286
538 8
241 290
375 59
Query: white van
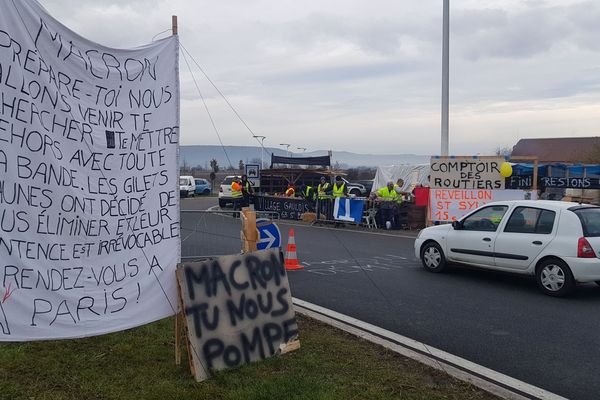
187 186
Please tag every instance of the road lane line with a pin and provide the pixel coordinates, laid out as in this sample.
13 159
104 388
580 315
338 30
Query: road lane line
478 375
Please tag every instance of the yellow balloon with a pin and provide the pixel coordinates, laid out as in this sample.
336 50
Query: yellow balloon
506 169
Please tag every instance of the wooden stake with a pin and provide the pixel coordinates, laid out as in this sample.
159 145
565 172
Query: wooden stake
174 24
177 339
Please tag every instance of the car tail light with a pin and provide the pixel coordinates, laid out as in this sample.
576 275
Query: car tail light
584 249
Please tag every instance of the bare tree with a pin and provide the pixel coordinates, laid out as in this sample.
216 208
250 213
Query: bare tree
503 151
214 164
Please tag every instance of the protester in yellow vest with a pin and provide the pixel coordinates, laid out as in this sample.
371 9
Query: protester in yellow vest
339 188
389 198
324 194
236 194
247 191
387 193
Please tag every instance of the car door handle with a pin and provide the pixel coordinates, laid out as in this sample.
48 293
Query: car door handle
487 239
537 243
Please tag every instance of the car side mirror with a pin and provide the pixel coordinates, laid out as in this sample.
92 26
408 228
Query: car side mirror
457 225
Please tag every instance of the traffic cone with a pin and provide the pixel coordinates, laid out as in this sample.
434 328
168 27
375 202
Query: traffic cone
291 259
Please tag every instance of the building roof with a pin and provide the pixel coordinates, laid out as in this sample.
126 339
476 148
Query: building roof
567 150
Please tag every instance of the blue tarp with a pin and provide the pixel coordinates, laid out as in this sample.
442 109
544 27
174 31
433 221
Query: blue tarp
558 170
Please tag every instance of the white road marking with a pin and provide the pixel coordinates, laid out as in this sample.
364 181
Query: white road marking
478 375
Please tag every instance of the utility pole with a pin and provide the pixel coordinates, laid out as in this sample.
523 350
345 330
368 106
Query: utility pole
174 24
445 77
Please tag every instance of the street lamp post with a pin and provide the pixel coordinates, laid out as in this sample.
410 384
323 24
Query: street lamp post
262 149
445 76
287 148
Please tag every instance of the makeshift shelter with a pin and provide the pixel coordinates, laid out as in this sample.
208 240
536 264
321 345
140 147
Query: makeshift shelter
412 175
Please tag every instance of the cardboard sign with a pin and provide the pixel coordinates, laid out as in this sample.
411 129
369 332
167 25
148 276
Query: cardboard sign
451 204
238 309
89 211
466 173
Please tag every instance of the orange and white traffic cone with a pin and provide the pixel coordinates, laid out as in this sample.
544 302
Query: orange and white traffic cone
291 259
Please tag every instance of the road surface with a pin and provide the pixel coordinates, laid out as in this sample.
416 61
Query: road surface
497 320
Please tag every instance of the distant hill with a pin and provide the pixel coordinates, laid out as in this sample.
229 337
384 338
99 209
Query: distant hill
200 155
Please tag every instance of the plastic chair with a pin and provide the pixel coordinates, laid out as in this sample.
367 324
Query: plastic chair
369 218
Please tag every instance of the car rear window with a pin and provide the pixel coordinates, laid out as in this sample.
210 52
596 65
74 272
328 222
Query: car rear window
590 221
227 181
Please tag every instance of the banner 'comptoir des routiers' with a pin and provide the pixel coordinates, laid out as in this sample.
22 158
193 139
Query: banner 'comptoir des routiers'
466 173
89 218
462 184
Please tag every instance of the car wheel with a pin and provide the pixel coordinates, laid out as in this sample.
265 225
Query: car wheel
222 203
432 257
355 192
206 192
554 277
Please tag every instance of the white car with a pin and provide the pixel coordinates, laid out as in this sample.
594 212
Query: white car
225 191
557 242
187 186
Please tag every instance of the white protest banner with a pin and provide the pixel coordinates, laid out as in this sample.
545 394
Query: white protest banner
466 173
451 204
89 211
238 309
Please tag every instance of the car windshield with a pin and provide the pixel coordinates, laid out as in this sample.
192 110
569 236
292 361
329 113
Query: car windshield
184 181
590 221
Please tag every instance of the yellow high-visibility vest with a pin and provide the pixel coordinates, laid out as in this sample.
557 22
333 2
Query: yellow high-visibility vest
387 195
321 191
338 191
236 190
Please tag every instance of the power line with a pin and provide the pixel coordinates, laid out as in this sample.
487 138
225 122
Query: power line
223 96
206 106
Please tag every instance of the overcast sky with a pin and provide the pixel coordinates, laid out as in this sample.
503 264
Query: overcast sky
365 76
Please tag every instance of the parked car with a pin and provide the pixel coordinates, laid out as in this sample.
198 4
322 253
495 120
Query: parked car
202 186
355 189
187 186
225 191
557 242
367 183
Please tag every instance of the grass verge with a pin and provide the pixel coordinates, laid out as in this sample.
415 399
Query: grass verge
139 364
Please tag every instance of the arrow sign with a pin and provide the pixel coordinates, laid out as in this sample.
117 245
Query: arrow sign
270 236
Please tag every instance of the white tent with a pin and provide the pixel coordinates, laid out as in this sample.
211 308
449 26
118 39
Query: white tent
411 174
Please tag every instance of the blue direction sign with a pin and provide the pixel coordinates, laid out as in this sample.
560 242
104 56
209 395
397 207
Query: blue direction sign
269 234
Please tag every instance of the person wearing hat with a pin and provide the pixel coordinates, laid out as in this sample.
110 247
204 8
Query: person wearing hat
247 191
237 195
339 188
324 193
308 194
388 202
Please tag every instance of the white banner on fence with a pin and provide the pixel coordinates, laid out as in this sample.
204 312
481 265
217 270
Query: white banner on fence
451 204
89 212
466 173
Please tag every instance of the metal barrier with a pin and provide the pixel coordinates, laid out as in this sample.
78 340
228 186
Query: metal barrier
212 233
